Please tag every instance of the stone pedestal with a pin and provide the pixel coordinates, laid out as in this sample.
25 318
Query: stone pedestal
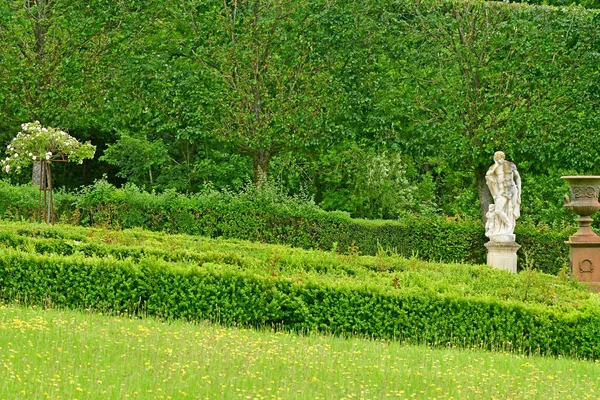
585 243
502 255
585 258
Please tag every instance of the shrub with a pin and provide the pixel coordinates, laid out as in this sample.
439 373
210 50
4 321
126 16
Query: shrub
300 302
268 216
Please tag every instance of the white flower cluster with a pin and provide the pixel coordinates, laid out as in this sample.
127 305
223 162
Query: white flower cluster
37 143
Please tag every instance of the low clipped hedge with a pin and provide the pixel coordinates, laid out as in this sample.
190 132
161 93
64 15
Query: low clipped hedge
271 218
300 302
383 270
590 4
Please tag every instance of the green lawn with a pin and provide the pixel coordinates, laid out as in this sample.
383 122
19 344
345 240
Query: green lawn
80 355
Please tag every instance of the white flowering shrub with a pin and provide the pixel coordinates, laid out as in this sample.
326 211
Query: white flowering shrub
36 143
387 191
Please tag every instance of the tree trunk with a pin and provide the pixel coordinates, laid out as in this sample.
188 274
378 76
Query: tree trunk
46 202
36 173
485 197
50 210
261 159
40 30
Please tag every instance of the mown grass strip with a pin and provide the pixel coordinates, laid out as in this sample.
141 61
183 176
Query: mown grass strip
80 355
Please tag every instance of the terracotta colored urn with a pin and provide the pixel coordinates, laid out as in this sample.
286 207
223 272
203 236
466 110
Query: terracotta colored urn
584 202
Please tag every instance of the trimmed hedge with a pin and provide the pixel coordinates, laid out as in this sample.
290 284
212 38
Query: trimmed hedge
302 301
590 4
382 270
271 218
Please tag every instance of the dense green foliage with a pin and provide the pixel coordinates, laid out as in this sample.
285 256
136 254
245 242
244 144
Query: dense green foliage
267 216
382 109
344 101
136 245
244 283
593 4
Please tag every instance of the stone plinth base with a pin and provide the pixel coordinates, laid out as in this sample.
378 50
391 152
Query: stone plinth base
585 258
503 238
502 255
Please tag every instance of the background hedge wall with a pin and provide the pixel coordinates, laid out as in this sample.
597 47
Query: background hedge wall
268 217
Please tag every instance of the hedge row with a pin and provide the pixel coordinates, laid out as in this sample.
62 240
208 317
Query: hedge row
590 4
232 295
380 270
268 217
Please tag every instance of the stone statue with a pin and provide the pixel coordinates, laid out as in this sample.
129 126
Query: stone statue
491 220
504 183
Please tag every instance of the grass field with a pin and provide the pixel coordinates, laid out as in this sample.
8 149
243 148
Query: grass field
80 355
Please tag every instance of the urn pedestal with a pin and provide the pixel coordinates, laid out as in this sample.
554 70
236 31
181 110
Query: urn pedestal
584 244
585 262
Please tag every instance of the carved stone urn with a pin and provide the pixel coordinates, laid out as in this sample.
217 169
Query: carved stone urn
584 202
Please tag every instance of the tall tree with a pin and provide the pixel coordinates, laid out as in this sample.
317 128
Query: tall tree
276 92
491 76
56 60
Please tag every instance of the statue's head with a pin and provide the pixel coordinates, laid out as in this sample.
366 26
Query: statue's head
499 157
